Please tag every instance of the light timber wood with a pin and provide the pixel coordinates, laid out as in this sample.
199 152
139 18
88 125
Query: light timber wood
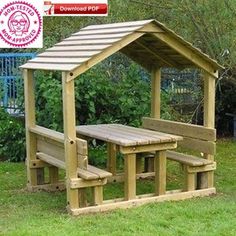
209 167
49 148
38 164
111 158
82 146
115 25
51 160
179 128
97 195
108 30
148 148
187 159
88 42
139 165
190 180
198 145
97 36
53 174
156 93
99 172
87 175
138 202
120 177
82 183
56 60
50 66
69 54
31 148
160 172
60 186
130 176
207 179
85 48
82 197
70 138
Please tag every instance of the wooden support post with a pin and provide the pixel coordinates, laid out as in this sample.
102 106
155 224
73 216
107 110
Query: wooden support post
139 165
34 176
160 172
53 175
155 104
206 179
70 139
98 195
156 94
111 158
190 183
130 176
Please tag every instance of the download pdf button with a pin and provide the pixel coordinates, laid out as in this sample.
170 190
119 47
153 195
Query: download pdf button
80 9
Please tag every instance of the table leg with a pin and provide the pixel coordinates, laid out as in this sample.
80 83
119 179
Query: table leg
160 172
111 158
130 176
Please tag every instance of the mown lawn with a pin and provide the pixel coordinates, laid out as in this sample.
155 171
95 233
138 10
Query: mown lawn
42 213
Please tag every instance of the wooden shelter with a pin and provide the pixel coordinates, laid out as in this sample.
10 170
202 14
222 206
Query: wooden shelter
153 46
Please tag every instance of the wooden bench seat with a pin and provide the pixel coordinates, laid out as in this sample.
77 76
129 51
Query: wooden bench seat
93 172
187 159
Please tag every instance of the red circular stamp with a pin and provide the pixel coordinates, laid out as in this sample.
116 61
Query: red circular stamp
20 23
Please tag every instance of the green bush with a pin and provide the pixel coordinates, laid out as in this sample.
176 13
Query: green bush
12 138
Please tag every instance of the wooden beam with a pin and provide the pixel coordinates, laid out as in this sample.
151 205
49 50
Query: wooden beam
130 176
70 138
156 93
160 172
207 179
180 128
34 176
111 158
138 202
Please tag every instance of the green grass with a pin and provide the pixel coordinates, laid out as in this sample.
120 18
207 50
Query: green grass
42 213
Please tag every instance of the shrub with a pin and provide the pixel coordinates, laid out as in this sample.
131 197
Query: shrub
12 138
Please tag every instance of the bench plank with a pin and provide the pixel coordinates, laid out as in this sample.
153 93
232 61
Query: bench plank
187 159
51 160
101 173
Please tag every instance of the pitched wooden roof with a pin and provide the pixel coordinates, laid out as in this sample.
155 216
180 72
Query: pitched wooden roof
147 42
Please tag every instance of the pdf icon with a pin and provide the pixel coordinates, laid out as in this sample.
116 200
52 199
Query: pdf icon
21 24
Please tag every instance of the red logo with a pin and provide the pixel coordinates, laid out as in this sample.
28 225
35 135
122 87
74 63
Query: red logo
20 24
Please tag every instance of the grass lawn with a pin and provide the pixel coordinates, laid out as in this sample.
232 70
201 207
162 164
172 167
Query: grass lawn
42 213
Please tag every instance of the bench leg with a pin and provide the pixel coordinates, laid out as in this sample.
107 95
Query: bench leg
98 195
130 176
82 195
190 180
111 158
148 164
139 165
205 180
160 172
53 175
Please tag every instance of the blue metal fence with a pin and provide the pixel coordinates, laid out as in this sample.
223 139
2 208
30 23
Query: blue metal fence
9 74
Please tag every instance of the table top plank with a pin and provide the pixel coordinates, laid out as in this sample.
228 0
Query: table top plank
125 135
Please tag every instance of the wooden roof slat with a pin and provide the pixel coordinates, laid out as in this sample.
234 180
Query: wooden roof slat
69 54
97 36
114 25
108 31
48 66
55 60
78 48
88 42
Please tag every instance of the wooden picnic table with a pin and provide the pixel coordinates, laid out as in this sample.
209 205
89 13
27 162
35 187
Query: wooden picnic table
130 141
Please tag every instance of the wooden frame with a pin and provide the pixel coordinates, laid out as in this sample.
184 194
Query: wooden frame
54 150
